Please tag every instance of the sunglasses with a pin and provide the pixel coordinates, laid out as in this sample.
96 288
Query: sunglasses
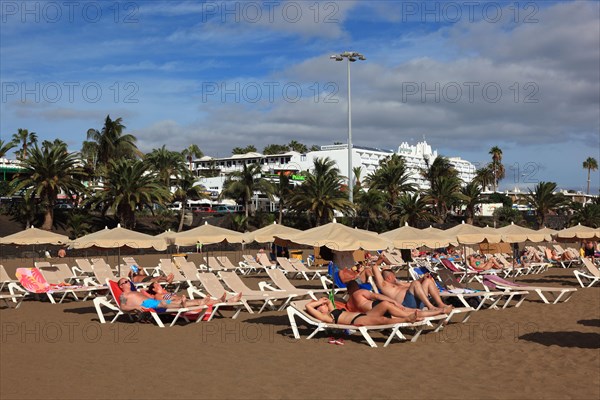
123 283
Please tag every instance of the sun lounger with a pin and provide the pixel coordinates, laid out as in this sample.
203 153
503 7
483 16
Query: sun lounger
281 282
226 262
84 267
557 293
16 298
5 279
264 261
299 265
185 313
589 274
32 280
297 310
250 262
211 284
236 284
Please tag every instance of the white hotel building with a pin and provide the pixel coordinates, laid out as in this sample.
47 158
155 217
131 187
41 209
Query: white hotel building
416 158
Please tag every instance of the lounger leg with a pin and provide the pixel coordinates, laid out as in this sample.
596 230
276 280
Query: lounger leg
157 319
367 337
290 313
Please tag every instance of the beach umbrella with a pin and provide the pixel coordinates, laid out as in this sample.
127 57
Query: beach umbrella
207 234
33 236
267 234
578 232
517 234
547 231
338 237
407 237
119 237
168 236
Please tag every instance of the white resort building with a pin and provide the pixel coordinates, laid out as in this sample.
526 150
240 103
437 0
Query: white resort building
416 157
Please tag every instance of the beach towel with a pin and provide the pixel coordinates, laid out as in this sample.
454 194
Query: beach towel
33 281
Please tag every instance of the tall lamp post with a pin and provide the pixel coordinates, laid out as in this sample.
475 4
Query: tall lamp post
350 56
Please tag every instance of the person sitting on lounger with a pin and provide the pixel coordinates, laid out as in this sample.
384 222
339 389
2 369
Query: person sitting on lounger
565 256
323 310
137 275
157 292
364 301
132 300
413 294
481 264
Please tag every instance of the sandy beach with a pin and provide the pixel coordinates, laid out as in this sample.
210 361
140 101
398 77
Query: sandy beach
535 351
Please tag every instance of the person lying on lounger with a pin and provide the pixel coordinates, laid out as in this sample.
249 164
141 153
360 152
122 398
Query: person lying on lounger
415 294
157 292
137 275
323 310
364 301
132 300
565 256
481 264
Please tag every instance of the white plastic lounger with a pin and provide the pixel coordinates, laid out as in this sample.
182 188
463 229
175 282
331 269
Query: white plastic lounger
549 295
589 275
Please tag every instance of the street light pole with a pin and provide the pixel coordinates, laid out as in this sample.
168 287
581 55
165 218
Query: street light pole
350 56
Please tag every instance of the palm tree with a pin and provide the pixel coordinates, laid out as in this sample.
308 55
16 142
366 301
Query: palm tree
391 177
275 149
543 200
591 165
127 186
411 209
297 146
78 225
444 193
243 150
243 184
166 163
588 215
471 197
371 205
484 176
5 147
47 172
111 143
25 139
497 167
321 193
186 189
441 166
193 151
282 191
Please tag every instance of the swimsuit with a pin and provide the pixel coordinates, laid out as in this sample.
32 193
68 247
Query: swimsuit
335 314
152 303
410 301
168 296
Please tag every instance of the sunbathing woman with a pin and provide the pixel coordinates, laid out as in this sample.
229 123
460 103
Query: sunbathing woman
553 256
323 310
481 264
157 292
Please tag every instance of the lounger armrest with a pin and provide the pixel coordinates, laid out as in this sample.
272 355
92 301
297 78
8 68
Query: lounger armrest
264 286
192 290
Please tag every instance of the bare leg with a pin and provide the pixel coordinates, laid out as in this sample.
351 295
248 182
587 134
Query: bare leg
430 288
235 298
417 290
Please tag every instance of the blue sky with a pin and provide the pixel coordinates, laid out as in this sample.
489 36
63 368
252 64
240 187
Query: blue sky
465 75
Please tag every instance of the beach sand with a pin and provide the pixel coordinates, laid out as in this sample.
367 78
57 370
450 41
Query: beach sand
535 351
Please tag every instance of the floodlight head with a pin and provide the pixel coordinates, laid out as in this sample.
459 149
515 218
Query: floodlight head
351 59
333 57
362 58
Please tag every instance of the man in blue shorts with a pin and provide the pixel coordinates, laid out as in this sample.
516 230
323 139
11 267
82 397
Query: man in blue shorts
416 294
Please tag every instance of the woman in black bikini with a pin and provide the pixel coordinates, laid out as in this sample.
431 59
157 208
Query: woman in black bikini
323 310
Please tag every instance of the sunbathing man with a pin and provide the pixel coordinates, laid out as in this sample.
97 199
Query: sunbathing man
364 301
137 275
157 292
413 294
323 310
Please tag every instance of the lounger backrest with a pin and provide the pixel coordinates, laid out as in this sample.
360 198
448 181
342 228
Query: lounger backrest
279 278
64 272
84 265
286 265
449 280
299 265
211 284
189 270
226 262
450 265
4 277
264 260
591 267
236 284
214 264
102 271
32 280
503 260
167 267
49 273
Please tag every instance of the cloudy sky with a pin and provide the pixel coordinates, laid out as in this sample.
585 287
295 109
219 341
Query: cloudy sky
466 76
